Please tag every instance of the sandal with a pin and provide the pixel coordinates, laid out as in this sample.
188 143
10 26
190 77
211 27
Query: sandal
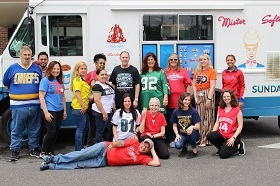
202 145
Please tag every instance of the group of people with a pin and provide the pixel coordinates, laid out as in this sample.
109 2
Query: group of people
137 114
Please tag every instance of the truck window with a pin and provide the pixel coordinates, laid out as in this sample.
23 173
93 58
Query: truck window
177 27
65 35
24 36
195 27
44 31
160 27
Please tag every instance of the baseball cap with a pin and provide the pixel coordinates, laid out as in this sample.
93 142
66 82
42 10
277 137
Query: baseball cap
150 142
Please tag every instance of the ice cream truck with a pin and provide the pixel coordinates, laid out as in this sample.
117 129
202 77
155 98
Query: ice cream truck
71 31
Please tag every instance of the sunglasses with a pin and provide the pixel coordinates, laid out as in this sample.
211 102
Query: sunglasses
173 59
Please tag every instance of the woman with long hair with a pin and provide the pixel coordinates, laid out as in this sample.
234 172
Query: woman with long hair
53 105
227 129
153 84
204 83
80 103
126 120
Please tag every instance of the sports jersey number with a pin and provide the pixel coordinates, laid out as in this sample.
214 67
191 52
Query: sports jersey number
125 123
149 83
224 127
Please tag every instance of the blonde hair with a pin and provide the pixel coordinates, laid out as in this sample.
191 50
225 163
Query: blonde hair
199 67
75 73
167 69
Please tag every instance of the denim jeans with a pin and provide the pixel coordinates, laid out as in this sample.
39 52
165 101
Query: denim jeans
82 122
192 139
93 156
103 128
25 117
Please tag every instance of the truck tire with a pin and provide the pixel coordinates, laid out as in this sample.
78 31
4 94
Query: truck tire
6 126
279 122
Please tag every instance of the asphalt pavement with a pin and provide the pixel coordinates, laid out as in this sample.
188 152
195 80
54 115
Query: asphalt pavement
260 165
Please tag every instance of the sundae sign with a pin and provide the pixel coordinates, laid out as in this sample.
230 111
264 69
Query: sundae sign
116 39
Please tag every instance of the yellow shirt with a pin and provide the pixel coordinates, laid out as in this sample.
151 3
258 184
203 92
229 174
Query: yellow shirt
81 86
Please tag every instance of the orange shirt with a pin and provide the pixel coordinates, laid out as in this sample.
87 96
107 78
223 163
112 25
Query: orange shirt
202 80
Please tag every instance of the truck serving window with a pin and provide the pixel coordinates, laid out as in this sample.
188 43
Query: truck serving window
24 36
177 27
65 35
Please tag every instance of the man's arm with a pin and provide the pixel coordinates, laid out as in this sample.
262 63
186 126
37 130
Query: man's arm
116 144
155 162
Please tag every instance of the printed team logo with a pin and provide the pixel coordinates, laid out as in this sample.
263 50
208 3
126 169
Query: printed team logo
116 39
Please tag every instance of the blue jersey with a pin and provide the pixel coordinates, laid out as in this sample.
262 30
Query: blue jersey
23 84
54 94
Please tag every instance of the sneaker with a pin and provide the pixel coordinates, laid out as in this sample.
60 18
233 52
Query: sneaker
172 144
42 155
242 148
35 152
191 155
14 155
183 152
44 166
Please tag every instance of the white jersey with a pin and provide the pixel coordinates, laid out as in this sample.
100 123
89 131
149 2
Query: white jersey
125 125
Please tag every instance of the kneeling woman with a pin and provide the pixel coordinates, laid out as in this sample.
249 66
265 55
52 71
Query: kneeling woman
227 129
153 126
187 120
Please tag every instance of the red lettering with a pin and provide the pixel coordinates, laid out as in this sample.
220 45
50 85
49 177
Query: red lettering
227 22
267 19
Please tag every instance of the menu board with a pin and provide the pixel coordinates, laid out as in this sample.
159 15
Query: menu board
189 55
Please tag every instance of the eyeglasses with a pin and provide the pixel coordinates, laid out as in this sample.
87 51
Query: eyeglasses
173 59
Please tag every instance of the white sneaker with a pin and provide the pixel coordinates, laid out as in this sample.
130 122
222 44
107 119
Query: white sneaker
172 144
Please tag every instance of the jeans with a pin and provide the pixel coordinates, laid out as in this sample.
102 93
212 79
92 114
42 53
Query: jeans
192 139
25 117
93 156
52 130
82 122
220 143
103 128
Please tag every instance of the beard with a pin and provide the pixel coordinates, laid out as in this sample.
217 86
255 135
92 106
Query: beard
26 61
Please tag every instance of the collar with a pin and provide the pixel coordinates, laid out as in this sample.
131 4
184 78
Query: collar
234 70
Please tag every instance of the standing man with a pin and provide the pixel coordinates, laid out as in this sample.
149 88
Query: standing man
42 62
91 78
125 79
22 80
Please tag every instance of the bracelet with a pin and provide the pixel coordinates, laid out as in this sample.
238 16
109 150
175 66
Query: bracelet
135 133
233 137
136 100
209 98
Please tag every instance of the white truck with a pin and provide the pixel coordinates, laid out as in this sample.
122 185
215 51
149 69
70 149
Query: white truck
71 31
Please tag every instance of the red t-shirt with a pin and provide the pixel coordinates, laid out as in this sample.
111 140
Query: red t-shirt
153 124
127 155
178 82
91 76
228 122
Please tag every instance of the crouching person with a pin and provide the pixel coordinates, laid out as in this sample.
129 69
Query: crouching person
186 125
153 127
127 152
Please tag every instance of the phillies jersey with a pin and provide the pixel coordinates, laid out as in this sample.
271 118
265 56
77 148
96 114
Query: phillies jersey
228 122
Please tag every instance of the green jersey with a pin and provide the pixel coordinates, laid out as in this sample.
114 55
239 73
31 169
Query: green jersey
153 84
